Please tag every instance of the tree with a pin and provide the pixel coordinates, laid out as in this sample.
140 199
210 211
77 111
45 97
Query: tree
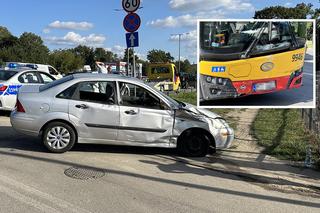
125 56
30 48
159 56
102 55
185 65
300 11
66 60
86 53
6 38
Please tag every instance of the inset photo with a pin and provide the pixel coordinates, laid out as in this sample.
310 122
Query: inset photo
256 63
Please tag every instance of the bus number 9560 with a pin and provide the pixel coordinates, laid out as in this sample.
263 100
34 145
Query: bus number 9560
297 57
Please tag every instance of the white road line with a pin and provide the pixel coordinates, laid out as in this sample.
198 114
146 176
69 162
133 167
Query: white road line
308 74
309 61
30 190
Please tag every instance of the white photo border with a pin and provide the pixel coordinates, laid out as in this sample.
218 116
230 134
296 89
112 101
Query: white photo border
313 21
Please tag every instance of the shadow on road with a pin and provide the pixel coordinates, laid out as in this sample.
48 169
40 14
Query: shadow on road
173 164
169 181
16 141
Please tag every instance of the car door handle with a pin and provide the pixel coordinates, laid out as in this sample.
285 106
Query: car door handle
82 106
130 112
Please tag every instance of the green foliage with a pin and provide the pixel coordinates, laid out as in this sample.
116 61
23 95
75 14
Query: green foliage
102 55
159 56
300 11
86 53
185 66
66 60
31 49
188 97
27 48
125 57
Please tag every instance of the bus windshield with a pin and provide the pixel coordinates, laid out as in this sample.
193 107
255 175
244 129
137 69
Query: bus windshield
228 37
230 40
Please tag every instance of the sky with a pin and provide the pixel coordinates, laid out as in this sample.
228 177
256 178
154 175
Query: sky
98 23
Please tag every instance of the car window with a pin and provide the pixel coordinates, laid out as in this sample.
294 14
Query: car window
6 74
136 96
52 71
29 78
68 93
96 91
46 78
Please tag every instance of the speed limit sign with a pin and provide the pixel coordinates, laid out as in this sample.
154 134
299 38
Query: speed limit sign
130 5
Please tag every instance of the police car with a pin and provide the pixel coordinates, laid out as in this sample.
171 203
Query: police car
12 79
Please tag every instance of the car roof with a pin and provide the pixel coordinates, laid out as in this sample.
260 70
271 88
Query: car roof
18 70
102 76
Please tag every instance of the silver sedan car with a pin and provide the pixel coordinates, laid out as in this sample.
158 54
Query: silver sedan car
113 109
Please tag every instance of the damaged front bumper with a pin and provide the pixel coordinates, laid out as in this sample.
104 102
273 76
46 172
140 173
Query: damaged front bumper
214 88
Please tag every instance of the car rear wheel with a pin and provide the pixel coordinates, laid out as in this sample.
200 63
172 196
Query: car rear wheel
193 144
58 137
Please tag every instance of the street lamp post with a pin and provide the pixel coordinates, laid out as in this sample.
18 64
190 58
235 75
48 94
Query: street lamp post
179 36
179 40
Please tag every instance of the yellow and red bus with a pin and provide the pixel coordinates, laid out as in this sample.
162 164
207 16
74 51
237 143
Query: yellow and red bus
246 58
165 76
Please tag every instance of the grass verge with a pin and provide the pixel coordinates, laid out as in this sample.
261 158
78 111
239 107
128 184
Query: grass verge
188 97
282 133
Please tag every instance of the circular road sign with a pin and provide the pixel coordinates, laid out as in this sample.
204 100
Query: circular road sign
131 22
130 5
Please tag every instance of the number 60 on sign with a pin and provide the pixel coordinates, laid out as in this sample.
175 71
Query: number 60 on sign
130 5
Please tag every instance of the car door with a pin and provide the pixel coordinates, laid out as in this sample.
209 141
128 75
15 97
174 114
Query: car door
144 117
94 111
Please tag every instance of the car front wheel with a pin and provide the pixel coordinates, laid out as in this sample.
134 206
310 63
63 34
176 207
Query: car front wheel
58 137
193 144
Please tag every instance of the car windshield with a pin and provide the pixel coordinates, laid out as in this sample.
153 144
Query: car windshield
55 83
6 74
228 37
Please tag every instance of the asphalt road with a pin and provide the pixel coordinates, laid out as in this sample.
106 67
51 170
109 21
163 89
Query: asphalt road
300 97
133 180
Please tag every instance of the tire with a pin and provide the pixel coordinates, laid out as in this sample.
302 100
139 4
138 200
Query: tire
193 144
58 137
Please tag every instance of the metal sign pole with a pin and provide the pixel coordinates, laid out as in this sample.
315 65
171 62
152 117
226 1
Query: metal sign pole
179 51
134 63
128 61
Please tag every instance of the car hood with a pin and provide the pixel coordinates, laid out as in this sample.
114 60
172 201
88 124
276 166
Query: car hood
199 111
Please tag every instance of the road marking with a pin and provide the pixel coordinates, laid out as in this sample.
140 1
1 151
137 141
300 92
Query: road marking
30 190
309 61
308 74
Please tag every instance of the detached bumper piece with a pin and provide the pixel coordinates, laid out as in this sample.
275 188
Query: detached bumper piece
212 88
